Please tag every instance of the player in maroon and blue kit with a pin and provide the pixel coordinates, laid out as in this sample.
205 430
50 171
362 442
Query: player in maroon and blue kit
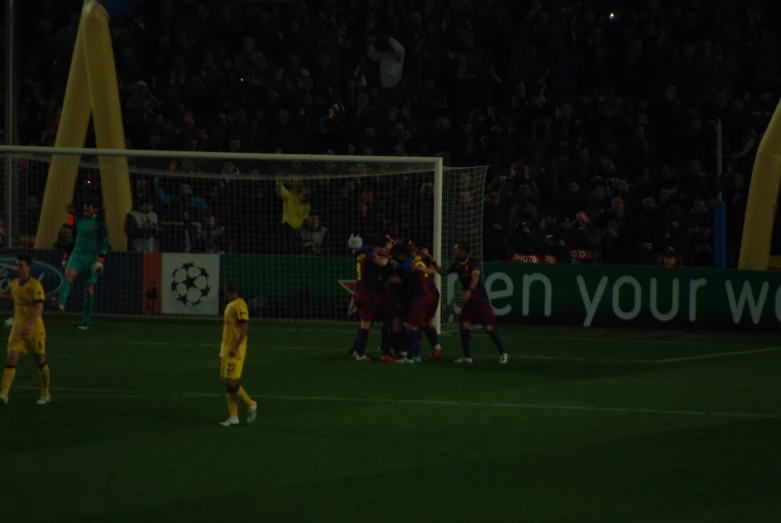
429 329
413 273
477 306
369 297
396 312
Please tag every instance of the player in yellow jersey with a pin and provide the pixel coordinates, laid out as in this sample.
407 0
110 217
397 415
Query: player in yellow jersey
28 333
233 351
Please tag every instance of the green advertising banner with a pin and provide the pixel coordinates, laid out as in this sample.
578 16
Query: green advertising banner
599 295
588 295
293 286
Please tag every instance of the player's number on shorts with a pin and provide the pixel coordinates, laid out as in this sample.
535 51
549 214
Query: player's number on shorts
231 367
40 344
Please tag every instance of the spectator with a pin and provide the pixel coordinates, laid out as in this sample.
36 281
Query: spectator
494 229
295 210
182 211
313 236
63 238
671 258
390 55
583 239
210 236
142 228
617 244
647 229
522 246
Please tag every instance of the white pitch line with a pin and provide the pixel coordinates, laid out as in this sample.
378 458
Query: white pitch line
140 394
567 358
719 355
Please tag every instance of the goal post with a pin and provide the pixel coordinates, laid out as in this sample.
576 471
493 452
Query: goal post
255 213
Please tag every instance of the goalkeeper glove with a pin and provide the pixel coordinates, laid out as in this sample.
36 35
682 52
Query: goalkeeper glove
97 267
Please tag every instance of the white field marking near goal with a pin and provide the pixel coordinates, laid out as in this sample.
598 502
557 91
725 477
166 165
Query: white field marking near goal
716 355
338 350
157 394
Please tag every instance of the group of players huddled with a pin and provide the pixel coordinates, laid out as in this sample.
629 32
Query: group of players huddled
395 285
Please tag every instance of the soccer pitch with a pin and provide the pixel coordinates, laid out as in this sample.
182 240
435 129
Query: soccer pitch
581 426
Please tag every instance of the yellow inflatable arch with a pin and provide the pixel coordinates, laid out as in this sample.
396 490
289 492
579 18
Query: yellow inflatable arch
762 201
91 90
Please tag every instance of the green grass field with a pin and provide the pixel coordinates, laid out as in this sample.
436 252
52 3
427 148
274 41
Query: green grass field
581 426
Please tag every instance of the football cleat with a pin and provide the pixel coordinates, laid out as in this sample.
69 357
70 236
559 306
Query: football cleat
464 360
57 305
388 358
351 352
84 326
405 361
503 359
362 358
436 354
230 422
4 399
252 413
44 400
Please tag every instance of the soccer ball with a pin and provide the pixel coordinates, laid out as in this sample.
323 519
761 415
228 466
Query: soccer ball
355 242
190 284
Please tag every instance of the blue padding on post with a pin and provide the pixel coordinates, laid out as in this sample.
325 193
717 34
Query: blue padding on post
117 7
720 235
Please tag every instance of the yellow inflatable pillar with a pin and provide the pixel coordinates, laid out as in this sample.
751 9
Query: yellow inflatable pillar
107 120
71 133
92 88
762 199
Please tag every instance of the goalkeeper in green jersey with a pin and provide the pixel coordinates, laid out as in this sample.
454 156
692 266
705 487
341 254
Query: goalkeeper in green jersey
85 255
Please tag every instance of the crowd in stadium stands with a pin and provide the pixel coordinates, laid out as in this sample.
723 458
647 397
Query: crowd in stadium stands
598 119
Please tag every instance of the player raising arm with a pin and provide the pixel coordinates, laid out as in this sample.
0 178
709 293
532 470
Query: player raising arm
369 296
86 254
28 333
233 351
477 306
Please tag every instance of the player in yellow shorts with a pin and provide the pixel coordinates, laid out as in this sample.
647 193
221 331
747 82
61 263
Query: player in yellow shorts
232 353
27 333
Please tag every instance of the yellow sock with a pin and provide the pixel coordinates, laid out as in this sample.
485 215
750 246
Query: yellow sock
243 396
45 379
8 377
233 405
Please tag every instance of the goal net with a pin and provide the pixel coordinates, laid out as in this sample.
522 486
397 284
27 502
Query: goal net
279 226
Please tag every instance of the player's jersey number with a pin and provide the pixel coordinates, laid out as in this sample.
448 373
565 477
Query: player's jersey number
358 267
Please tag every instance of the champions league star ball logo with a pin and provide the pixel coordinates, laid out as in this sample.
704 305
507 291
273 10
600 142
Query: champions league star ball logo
349 286
190 284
